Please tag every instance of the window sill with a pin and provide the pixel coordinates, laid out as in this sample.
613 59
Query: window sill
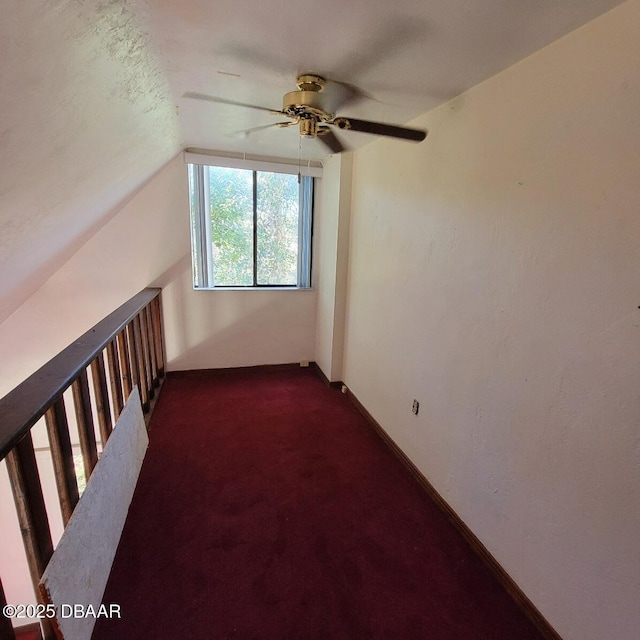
253 288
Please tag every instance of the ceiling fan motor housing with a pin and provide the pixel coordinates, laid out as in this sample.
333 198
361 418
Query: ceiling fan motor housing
296 103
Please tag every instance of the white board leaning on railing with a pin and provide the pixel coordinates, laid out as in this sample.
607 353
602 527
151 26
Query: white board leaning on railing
76 576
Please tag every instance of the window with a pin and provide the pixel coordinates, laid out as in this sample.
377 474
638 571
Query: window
250 228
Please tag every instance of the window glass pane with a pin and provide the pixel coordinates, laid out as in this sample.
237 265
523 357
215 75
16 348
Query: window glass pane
231 197
277 228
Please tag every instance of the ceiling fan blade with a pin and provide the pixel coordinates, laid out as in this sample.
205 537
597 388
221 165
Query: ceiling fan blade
380 129
328 138
245 133
203 96
382 44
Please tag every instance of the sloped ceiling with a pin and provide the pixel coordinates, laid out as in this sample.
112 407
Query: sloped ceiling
86 117
91 99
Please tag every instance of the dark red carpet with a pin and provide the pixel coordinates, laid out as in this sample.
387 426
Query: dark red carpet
267 509
31 634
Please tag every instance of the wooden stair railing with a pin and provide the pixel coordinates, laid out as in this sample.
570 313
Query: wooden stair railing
101 368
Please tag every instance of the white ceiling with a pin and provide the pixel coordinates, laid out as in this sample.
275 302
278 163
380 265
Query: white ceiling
91 89
410 55
86 117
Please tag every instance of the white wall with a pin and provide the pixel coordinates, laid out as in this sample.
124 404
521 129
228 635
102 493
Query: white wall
331 229
217 329
494 277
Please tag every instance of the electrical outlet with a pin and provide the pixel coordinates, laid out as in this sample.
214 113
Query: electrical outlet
304 363
416 407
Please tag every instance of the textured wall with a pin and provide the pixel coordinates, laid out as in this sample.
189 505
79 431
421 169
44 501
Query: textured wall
494 277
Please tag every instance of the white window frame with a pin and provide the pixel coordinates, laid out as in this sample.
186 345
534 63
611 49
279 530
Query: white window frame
202 257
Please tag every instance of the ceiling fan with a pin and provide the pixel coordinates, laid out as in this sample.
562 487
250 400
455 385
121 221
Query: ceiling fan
304 108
